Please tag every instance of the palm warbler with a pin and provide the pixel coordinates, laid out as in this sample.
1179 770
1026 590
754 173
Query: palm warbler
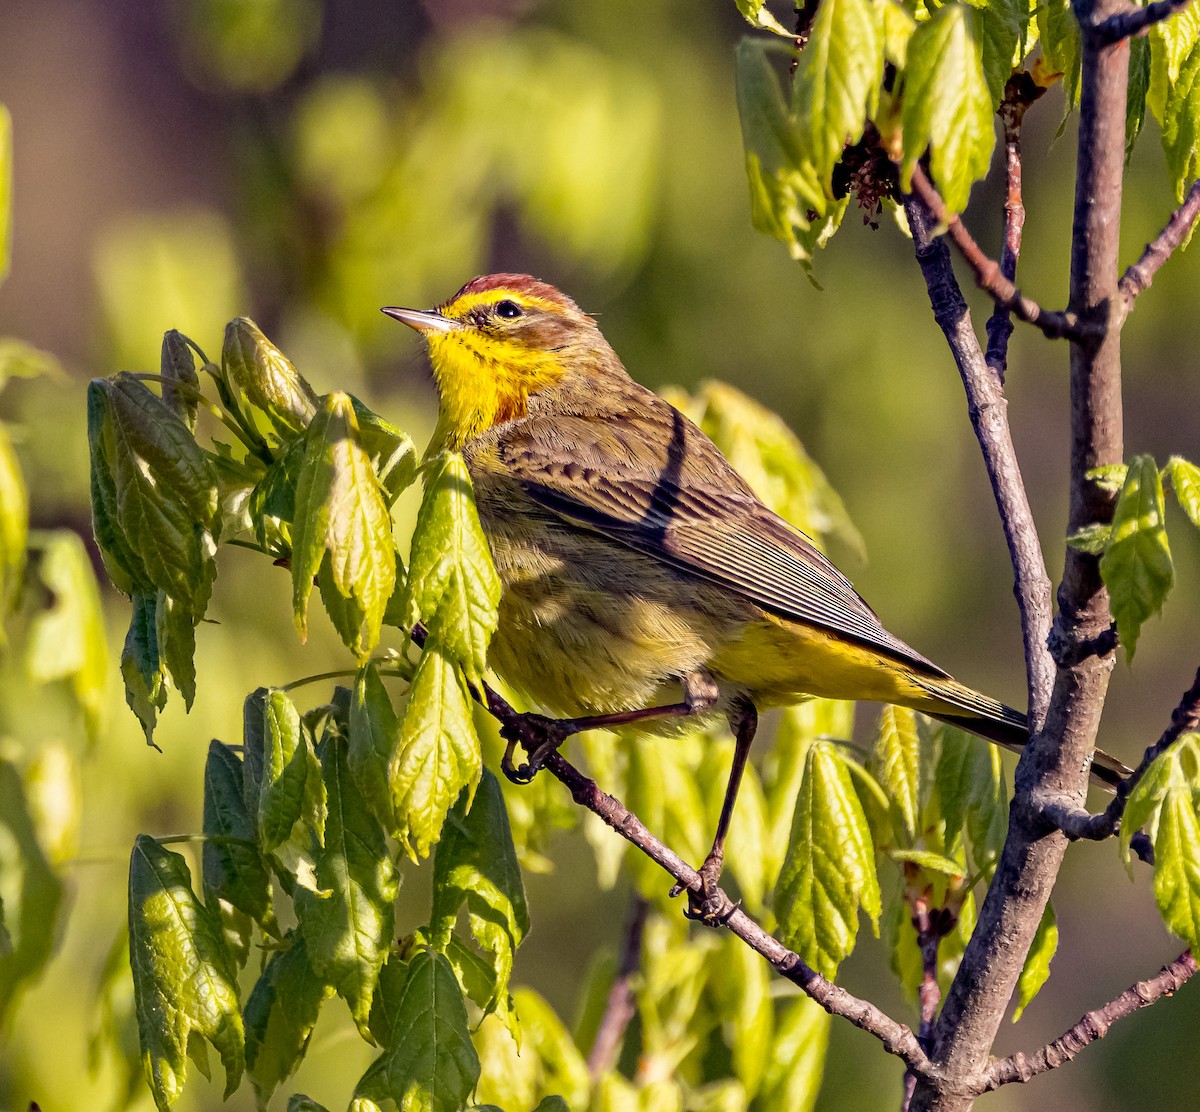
634 560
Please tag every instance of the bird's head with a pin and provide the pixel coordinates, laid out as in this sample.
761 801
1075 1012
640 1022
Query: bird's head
499 341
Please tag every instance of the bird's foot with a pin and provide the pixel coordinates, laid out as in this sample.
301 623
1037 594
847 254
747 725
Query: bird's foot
709 905
540 736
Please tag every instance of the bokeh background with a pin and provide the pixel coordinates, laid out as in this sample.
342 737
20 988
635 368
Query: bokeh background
304 162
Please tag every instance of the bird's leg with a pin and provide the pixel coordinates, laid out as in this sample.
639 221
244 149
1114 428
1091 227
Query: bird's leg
705 904
542 736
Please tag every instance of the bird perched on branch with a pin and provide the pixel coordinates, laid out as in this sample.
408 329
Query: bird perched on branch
642 577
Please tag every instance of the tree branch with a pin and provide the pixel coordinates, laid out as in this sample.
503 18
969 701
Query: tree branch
1092 1026
988 274
1139 276
1076 823
988 410
1132 21
620 1007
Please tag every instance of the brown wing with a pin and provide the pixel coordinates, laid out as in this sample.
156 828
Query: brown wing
657 484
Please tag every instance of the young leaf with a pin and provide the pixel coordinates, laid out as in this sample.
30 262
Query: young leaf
280 1015
374 737
793 1077
1037 962
181 384
476 864
740 986
784 185
283 773
32 891
895 762
233 868
450 574
1139 86
255 368
946 103
391 450
830 868
67 639
175 632
1136 566
433 1067
1181 124
347 922
563 1070
1171 41
14 524
141 662
1058 32
342 528
836 85
757 15
438 753
1185 482
184 982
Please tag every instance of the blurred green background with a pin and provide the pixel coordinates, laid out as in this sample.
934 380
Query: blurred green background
304 162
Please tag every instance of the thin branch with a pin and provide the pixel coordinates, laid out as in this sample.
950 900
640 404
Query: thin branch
932 925
988 410
1092 1026
1134 21
1019 93
620 1007
988 275
1076 823
1139 276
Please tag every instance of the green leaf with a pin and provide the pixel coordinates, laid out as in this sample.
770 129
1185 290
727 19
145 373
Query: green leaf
438 753
476 865
478 981
342 528
1058 32
280 1015
14 524
928 861
302 1102
784 186
347 922
181 384
374 737
836 86
184 982
67 639
1185 482
391 450
947 106
1036 970
793 1077
6 162
895 763
562 1067
756 14
284 771
1166 803
1092 539
31 891
1139 86
1171 41
830 867
254 368
1181 124
973 794
175 633
233 867
741 989
141 663
999 23
450 574
434 1067
165 490
1136 566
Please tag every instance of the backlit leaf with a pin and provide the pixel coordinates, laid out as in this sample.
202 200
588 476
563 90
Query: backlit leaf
342 528
14 524
830 868
283 773
254 368
450 575
347 921
757 15
438 753
793 1077
895 762
1137 567
1185 482
999 24
1058 32
947 106
181 384
1181 124
184 981
1171 41
374 737
434 1067
1036 970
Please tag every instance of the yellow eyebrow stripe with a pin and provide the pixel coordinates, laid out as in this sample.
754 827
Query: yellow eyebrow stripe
464 304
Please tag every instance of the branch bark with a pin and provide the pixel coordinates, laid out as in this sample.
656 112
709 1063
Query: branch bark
1132 21
1139 275
1057 756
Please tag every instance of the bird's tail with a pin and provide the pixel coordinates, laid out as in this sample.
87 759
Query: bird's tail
978 714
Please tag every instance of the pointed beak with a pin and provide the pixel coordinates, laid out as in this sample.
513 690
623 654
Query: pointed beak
423 320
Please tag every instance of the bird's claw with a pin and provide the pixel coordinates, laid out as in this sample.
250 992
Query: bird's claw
709 905
540 736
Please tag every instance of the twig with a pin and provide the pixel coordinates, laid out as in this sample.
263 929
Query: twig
931 925
1125 25
620 1006
988 409
1092 1026
988 275
1019 93
1076 823
1139 276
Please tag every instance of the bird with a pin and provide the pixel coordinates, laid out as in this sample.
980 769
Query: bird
641 577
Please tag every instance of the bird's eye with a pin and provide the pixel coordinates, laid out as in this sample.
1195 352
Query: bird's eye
509 310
